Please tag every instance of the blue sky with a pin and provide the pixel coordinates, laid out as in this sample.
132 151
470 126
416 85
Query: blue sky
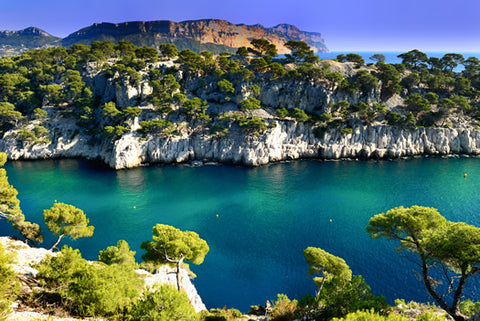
361 25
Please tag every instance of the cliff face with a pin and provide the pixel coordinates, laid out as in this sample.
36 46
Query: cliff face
287 140
222 34
198 35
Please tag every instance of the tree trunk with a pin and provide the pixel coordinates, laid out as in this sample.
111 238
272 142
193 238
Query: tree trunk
54 246
179 264
454 313
320 287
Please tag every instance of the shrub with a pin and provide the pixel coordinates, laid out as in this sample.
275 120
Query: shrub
133 111
371 315
282 112
163 303
39 135
225 87
255 89
119 254
326 117
276 70
319 132
300 115
9 285
215 315
283 309
469 308
250 103
253 125
154 126
87 289
195 108
115 131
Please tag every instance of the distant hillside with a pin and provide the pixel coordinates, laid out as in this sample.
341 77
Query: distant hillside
208 34
15 42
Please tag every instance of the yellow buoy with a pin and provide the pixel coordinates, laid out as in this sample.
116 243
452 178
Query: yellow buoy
330 220
464 174
134 207
217 215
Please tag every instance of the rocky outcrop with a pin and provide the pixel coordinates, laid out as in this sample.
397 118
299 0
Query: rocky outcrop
26 258
292 140
166 274
207 34
197 32
285 140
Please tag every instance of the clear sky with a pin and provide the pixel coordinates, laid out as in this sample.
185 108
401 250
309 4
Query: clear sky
355 25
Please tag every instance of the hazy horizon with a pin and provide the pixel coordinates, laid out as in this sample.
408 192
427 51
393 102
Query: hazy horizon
369 25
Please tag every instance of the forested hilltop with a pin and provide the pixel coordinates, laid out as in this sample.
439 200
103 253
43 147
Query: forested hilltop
129 105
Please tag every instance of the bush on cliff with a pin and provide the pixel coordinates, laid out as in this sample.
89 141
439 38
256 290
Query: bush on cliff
9 285
162 303
87 289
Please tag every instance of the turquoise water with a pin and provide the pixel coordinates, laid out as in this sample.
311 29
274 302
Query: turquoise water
266 216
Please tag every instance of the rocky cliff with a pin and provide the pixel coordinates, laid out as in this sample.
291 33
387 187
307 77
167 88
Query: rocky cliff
195 34
347 118
286 140
206 34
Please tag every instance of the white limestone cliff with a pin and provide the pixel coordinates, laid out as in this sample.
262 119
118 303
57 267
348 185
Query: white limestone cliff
287 140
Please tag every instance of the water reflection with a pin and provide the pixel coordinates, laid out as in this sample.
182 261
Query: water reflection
257 221
132 180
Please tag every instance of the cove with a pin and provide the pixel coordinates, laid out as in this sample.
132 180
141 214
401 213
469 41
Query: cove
258 221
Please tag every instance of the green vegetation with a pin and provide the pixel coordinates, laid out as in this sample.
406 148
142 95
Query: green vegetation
10 207
283 309
109 90
119 254
181 85
163 303
9 285
86 289
67 220
439 244
170 245
111 289
338 293
371 315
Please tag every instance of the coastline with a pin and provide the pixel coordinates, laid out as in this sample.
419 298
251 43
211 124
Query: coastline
288 140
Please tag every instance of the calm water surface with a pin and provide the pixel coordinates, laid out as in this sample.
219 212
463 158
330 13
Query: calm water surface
266 216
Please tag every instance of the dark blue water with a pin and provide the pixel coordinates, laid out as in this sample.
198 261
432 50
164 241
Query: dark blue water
266 216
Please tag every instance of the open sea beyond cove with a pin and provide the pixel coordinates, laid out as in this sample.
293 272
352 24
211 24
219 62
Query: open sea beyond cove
391 56
258 221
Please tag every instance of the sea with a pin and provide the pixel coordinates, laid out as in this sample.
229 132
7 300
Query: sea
258 221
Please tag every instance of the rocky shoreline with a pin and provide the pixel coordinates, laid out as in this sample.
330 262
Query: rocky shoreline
285 140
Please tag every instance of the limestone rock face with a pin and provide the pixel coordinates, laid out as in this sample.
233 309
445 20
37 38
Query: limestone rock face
285 140
204 31
166 274
291 140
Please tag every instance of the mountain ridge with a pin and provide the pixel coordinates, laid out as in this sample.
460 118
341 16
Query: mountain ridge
16 41
215 35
